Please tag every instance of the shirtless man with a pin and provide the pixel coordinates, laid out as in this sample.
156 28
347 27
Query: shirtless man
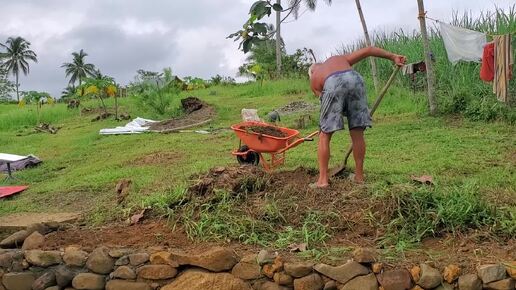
342 93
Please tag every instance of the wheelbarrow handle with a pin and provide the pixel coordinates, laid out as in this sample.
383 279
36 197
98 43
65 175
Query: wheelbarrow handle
310 137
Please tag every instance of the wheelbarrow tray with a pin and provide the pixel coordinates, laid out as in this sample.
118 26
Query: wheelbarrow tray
261 142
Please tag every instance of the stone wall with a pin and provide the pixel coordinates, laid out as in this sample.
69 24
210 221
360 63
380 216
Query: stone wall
218 268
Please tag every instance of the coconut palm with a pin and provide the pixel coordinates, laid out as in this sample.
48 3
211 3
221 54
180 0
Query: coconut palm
310 4
77 70
16 58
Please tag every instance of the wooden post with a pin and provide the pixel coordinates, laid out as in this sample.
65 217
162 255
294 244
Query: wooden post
374 71
430 77
278 40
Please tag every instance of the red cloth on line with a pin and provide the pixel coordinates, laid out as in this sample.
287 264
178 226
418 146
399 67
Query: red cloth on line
10 190
487 68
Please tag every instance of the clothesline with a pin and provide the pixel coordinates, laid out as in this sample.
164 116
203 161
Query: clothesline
487 33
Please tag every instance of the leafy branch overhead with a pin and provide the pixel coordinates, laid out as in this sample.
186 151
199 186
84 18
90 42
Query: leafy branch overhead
253 31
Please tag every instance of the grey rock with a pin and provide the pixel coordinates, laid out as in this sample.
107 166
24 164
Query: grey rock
367 282
470 282
41 228
505 284
75 257
310 282
330 285
9 257
268 285
247 268
395 280
282 278
64 276
15 240
124 272
89 281
490 273
122 261
195 279
342 273
100 262
217 259
444 286
265 257
48 279
156 272
33 241
364 255
18 281
117 253
138 259
126 285
430 277
298 270
43 258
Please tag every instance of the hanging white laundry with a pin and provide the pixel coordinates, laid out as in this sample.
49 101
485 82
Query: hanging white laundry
462 44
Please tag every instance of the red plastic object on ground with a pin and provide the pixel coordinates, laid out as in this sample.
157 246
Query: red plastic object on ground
6 191
254 144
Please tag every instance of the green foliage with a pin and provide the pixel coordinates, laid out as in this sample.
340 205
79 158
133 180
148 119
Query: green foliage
459 88
417 213
261 62
254 32
78 69
156 91
37 98
6 86
223 81
16 58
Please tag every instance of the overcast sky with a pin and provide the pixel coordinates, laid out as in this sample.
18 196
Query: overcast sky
122 36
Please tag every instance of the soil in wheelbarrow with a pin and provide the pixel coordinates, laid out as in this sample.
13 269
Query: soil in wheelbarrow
265 130
196 112
352 217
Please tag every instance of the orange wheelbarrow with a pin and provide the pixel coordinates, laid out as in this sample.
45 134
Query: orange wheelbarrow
253 145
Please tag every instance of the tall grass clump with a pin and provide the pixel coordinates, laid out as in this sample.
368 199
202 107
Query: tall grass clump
13 118
459 87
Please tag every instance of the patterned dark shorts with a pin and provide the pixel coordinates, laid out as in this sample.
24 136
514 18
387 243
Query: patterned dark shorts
344 95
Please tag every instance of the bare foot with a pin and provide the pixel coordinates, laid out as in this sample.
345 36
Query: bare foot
316 185
356 179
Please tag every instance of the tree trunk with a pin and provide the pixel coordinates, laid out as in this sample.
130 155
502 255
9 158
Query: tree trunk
374 71
430 77
17 89
278 40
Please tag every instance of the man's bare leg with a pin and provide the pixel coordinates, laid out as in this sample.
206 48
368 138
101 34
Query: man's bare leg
323 154
359 150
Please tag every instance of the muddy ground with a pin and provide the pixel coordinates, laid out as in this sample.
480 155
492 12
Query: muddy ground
350 210
196 112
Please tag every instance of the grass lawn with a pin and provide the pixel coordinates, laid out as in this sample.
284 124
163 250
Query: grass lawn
81 167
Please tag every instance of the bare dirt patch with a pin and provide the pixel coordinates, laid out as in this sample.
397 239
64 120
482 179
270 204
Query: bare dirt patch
196 111
157 158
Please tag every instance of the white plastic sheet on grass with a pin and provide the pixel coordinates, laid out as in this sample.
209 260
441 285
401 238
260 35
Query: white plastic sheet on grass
136 126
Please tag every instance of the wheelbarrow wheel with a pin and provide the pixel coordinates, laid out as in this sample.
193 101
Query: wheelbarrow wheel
251 158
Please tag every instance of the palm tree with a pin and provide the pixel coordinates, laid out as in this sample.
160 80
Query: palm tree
16 57
78 69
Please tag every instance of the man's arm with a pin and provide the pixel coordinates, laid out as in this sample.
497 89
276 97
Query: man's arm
360 54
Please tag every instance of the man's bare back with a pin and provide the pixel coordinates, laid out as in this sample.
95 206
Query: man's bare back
320 71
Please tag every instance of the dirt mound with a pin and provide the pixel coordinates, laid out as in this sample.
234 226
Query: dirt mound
232 179
265 130
296 107
345 207
196 111
157 158
191 104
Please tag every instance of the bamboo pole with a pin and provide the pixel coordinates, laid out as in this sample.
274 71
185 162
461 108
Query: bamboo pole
374 71
430 76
